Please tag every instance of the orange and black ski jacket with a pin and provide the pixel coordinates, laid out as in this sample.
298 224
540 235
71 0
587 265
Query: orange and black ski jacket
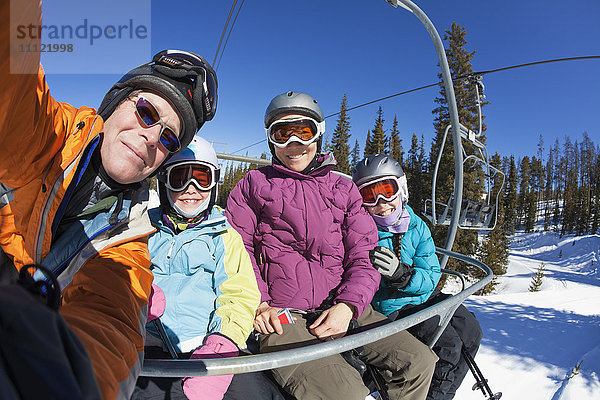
105 278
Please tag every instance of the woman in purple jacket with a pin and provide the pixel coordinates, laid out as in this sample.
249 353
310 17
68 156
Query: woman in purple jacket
309 240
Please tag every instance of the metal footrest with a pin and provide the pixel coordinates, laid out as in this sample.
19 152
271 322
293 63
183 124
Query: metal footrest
473 215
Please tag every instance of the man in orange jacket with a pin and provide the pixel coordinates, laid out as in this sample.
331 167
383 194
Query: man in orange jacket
71 181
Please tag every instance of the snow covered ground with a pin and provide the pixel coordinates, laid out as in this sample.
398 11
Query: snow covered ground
532 341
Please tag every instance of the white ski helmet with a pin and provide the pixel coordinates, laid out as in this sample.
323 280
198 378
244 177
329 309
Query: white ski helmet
199 152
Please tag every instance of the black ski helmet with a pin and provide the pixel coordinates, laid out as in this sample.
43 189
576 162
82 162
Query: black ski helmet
376 166
293 103
185 79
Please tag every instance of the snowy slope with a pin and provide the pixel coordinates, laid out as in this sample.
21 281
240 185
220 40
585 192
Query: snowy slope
532 341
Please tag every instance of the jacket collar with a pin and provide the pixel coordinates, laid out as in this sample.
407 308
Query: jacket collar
325 163
216 220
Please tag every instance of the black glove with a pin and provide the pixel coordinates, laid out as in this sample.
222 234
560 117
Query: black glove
354 356
393 272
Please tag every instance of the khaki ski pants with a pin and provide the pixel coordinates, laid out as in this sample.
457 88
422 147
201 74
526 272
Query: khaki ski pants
403 361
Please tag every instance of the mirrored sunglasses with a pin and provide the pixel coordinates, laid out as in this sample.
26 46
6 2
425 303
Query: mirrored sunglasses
386 189
149 117
179 176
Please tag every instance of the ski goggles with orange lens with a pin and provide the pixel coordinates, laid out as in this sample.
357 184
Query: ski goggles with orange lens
386 188
179 176
149 117
303 130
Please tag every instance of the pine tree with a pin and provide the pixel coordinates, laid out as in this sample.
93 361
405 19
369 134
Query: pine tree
326 145
378 140
495 246
570 186
339 140
419 187
537 186
526 199
558 186
537 279
459 61
595 192
354 156
587 173
368 145
548 189
510 197
396 151
227 185
232 174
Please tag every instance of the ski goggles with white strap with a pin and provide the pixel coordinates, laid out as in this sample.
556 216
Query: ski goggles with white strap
304 130
386 188
180 175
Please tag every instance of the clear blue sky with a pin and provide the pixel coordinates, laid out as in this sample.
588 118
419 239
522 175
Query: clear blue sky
369 50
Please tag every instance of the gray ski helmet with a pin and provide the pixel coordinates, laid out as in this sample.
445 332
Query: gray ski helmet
376 166
293 103
184 79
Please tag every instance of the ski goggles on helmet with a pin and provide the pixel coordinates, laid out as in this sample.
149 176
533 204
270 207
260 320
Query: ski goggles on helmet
386 188
179 59
180 175
304 130
149 117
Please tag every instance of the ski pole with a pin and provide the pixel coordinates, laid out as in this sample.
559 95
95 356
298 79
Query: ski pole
481 381
378 385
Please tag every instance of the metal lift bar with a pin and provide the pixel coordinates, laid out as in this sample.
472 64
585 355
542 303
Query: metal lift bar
251 160
261 362
454 122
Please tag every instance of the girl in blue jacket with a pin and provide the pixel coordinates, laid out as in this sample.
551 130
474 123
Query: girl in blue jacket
204 292
410 270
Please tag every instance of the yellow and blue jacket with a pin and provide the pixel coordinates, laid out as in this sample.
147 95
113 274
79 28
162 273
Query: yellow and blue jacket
208 281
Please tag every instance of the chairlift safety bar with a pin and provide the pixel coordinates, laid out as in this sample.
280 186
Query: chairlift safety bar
260 362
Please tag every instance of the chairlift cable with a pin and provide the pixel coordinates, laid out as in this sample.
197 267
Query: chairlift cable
224 29
253 144
472 74
457 78
230 29
527 65
385 98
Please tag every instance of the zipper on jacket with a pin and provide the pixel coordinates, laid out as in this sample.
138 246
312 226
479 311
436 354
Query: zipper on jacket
78 127
37 252
114 217
171 248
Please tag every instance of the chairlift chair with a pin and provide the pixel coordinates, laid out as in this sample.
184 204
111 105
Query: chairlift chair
473 214
476 214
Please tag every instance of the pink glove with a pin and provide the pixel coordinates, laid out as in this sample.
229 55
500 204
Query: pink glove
156 303
210 387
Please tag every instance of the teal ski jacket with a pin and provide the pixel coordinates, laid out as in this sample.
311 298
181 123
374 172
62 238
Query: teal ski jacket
418 250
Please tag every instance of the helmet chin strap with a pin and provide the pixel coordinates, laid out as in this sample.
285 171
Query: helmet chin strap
203 206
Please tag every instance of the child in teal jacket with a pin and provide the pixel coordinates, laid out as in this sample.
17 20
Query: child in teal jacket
410 270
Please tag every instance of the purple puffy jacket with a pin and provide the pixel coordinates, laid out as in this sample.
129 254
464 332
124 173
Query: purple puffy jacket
306 235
